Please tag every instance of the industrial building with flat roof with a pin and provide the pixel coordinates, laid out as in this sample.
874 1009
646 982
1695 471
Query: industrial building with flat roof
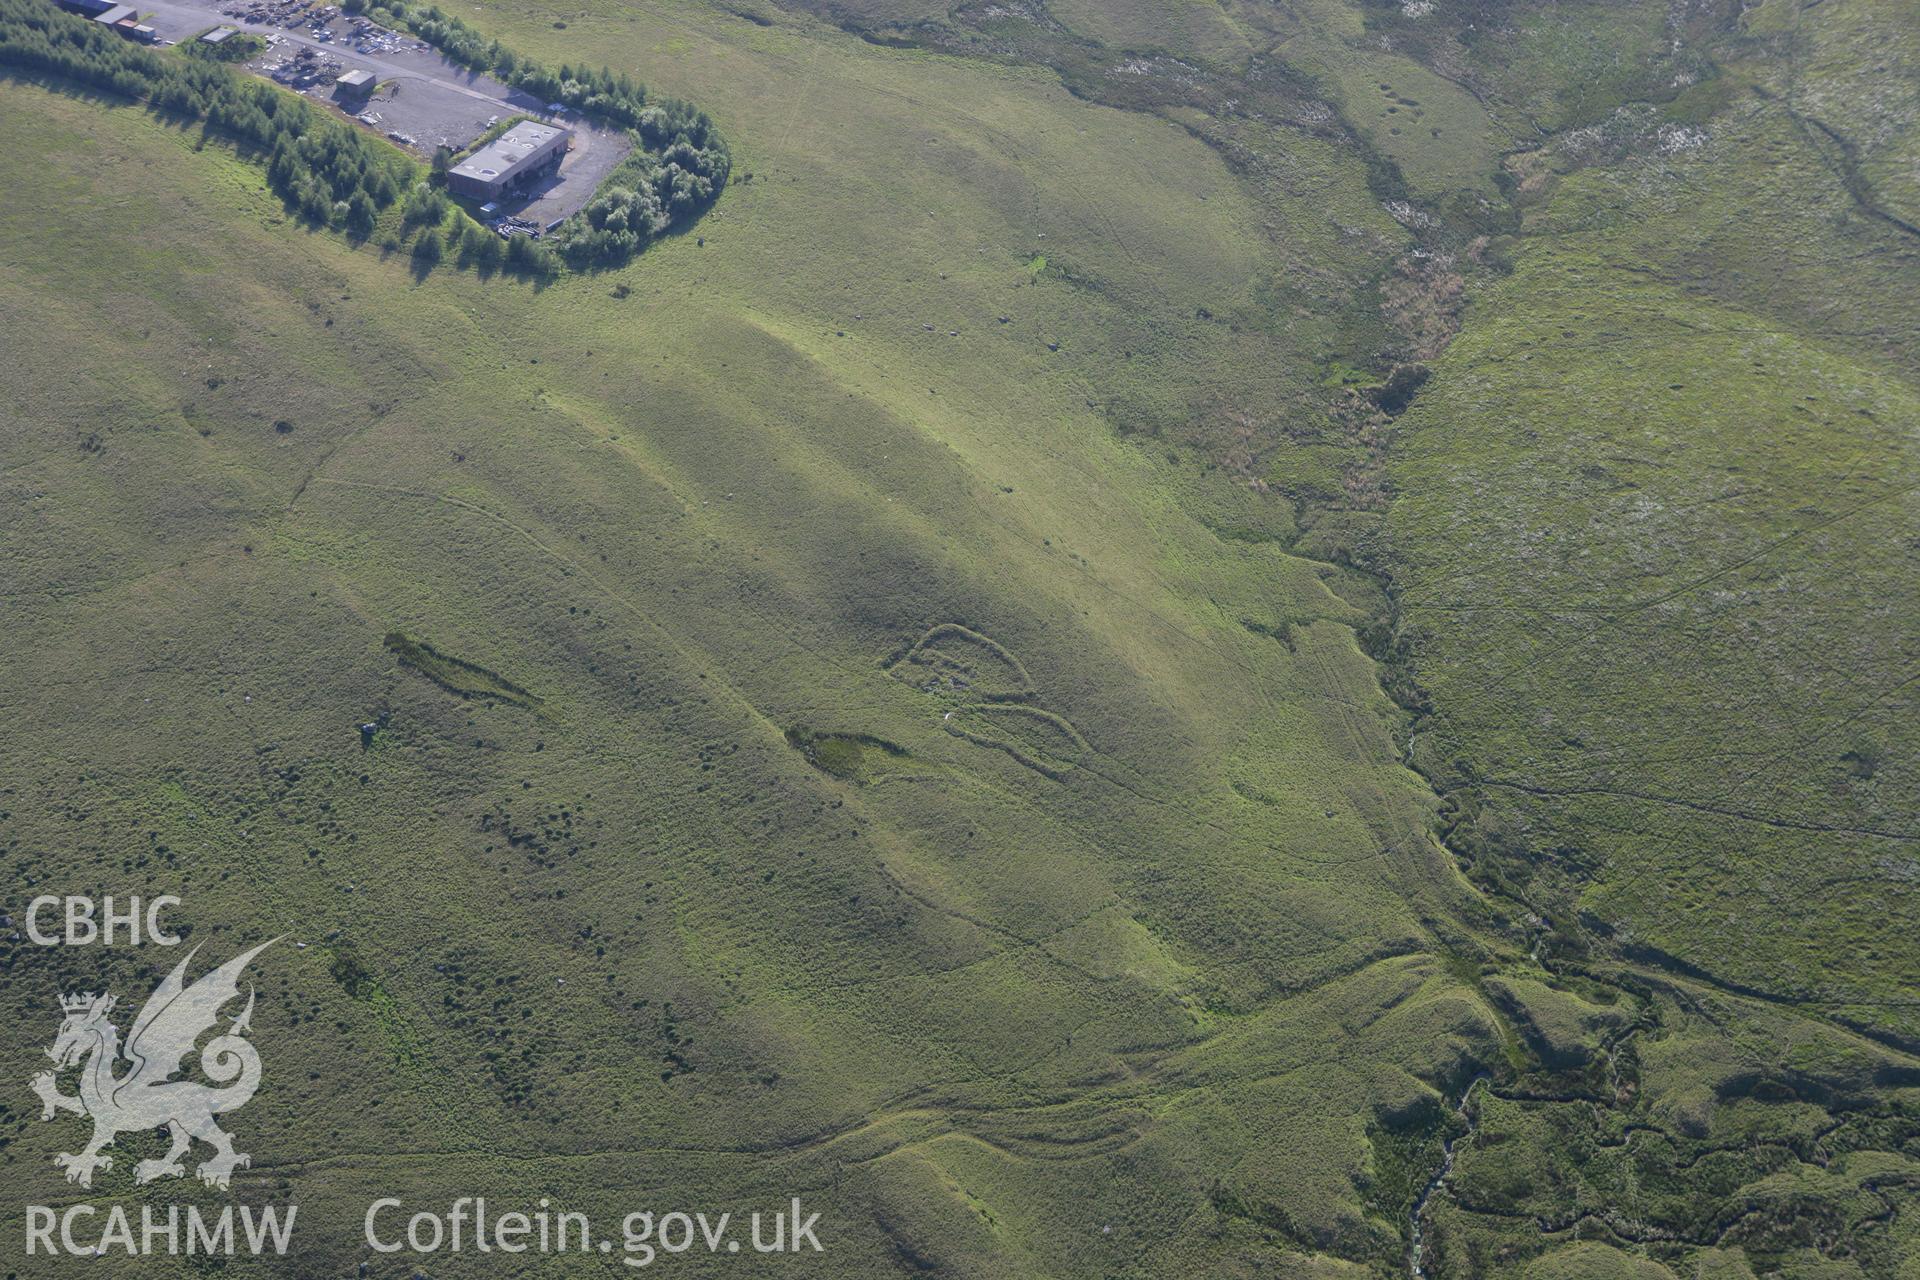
122 18
512 162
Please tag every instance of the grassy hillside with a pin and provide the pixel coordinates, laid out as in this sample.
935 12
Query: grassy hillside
1652 557
571 941
1654 544
873 702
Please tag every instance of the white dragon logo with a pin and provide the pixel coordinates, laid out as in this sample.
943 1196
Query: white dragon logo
146 1096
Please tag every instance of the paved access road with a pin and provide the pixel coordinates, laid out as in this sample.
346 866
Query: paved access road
182 20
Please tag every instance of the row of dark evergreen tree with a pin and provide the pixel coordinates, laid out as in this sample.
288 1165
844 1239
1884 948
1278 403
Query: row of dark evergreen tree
680 162
332 174
326 171
472 246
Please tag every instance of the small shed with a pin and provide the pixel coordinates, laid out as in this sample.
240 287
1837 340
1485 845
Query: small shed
355 82
219 35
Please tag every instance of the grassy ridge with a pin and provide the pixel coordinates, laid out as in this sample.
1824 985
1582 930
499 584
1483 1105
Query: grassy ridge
908 999
978 378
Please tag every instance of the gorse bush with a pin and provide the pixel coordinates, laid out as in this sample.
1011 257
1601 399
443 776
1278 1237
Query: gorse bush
327 172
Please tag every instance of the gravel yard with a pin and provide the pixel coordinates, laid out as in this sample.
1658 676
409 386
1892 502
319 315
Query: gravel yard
420 101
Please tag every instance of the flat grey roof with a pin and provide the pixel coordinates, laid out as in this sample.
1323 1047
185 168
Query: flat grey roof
354 79
508 153
115 14
217 35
